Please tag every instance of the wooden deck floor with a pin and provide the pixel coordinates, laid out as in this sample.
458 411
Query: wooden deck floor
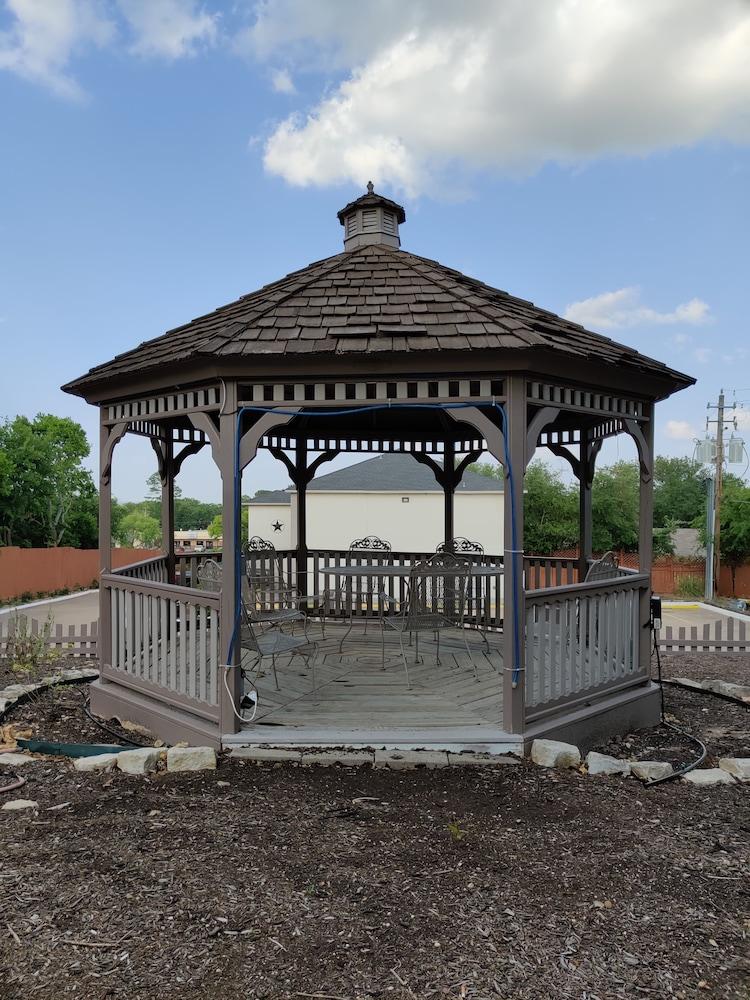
357 703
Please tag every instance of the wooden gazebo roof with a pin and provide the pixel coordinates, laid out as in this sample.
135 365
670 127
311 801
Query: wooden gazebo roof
374 300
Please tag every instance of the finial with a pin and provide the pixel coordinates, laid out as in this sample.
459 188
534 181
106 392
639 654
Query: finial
370 187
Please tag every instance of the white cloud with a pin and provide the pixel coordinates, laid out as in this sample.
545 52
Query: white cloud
623 308
703 355
680 430
44 35
282 82
168 28
506 85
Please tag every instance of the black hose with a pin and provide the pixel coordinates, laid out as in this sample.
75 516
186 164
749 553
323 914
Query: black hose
703 752
105 728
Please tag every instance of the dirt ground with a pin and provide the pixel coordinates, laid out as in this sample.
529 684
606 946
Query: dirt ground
284 882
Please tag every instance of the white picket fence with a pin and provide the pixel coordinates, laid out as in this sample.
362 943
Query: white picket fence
73 640
726 635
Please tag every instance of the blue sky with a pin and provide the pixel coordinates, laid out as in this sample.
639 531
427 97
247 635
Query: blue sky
161 158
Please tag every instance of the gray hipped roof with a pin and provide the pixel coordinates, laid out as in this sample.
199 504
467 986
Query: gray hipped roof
272 496
394 474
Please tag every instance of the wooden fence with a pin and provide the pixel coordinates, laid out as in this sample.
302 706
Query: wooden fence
44 571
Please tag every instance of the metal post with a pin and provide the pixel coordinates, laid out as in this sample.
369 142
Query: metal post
718 486
449 487
708 591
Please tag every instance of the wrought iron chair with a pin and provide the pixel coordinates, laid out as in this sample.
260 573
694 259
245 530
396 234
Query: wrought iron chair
353 597
474 601
273 642
209 576
461 546
435 600
271 598
605 568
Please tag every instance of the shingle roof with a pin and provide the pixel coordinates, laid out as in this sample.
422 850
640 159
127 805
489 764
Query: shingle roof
271 496
372 299
395 474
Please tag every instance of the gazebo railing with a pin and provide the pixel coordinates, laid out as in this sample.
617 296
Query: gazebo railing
549 571
154 569
164 640
582 640
484 600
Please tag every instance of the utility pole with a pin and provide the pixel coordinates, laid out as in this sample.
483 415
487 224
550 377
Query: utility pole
718 481
718 484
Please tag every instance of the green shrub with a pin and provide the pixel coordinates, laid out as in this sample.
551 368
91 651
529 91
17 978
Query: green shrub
690 586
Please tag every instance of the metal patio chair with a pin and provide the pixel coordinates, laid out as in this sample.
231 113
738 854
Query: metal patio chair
271 599
209 576
605 568
461 546
347 593
435 600
273 642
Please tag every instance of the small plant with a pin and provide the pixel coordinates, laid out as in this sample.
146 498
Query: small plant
25 648
456 831
689 586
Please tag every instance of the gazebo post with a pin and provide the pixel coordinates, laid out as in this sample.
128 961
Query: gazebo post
301 479
585 523
449 487
513 613
227 462
646 524
104 638
167 507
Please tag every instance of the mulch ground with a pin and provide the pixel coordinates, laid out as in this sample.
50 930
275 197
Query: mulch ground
283 882
732 667
13 674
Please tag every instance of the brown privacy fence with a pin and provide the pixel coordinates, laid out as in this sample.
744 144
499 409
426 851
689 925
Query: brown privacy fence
43 571
667 573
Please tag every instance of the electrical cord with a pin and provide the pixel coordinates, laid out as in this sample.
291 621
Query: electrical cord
676 729
104 727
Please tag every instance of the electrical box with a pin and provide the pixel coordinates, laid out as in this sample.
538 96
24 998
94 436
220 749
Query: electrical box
655 612
705 451
735 450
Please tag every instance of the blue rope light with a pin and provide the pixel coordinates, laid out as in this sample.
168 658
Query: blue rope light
370 409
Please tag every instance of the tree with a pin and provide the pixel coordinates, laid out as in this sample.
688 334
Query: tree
550 511
614 505
47 497
139 529
735 528
153 487
215 528
679 491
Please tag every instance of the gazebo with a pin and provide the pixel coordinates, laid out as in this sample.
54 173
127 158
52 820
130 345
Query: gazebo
377 350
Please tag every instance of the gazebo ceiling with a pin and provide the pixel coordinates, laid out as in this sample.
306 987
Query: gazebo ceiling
378 301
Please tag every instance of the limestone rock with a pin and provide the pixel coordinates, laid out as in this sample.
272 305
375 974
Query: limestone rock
738 767
17 759
267 755
17 804
552 753
191 759
407 760
602 763
99 762
140 761
341 758
471 758
709 776
650 770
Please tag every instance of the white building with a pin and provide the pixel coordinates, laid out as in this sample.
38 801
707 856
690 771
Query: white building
392 496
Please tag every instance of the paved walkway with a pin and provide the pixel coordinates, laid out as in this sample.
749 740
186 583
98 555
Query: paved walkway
76 609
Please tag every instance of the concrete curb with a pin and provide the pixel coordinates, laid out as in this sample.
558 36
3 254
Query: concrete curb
14 694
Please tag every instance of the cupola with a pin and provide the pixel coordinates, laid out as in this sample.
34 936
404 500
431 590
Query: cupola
371 219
